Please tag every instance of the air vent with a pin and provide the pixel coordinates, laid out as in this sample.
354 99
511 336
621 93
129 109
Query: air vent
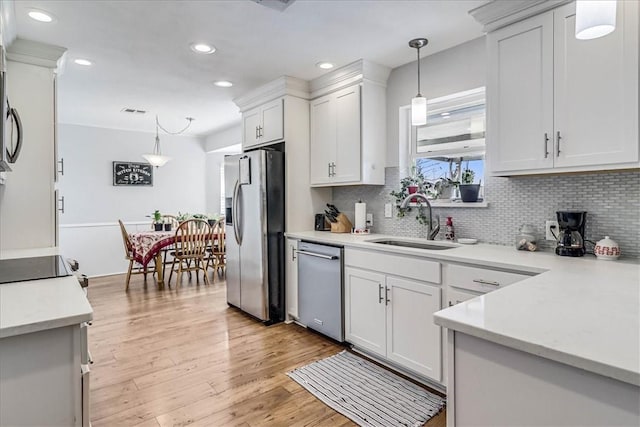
279 5
133 111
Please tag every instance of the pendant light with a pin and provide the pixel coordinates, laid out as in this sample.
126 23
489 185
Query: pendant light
156 158
595 18
419 102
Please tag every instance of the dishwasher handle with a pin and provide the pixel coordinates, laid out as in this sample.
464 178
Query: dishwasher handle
317 255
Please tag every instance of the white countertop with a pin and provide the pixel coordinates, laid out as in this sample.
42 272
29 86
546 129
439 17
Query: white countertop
579 311
37 305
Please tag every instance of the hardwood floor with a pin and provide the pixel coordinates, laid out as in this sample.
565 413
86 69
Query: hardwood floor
176 357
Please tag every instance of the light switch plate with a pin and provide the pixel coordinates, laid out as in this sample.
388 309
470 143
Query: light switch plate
388 210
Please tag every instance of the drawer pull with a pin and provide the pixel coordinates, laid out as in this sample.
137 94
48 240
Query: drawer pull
380 299
486 282
386 294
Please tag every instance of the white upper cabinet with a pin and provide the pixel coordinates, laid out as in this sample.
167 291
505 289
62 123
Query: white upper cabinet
559 104
520 95
348 130
596 91
263 124
335 137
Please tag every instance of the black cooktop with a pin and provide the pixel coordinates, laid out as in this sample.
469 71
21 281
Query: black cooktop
21 269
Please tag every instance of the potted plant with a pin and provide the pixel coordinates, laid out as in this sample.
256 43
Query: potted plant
157 220
167 224
416 183
468 190
182 217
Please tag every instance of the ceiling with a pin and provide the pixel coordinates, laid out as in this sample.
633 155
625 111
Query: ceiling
142 59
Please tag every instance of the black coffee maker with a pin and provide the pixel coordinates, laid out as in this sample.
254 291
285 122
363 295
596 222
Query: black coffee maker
571 234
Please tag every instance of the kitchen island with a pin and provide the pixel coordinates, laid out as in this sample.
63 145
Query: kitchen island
44 374
561 347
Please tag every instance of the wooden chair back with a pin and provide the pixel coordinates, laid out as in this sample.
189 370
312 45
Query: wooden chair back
128 248
218 233
192 238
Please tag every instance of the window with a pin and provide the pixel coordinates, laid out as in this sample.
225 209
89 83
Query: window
452 142
222 198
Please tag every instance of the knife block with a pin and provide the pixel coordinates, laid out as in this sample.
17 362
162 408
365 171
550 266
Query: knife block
342 226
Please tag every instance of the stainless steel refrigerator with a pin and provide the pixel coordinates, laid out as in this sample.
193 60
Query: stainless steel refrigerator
254 216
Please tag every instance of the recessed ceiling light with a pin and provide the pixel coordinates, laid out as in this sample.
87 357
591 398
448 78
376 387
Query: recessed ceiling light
223 83
40 16
83 62
202 48
324 65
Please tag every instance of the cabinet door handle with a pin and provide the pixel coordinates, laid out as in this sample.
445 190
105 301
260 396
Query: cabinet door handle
260 133
61 169
380 299
61 200
329 169
386 294
559 138
546 145
256 132
293 253
486 282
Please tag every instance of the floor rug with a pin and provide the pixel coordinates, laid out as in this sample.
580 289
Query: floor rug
366 393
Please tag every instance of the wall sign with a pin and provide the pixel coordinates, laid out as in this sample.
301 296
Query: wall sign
125 173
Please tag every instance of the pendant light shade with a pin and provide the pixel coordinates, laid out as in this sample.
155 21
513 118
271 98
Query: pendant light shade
595 18
419 111
156 158
419 102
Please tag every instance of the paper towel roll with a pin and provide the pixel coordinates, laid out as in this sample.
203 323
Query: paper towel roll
361 216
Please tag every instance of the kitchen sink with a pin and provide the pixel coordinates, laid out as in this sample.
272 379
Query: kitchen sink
411 244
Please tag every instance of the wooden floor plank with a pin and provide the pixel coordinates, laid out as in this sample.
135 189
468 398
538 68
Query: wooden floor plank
177 357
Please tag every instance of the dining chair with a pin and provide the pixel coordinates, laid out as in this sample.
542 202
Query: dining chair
134 266
173 220
192 238
217 251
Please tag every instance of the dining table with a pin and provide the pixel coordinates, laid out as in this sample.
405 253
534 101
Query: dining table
147 245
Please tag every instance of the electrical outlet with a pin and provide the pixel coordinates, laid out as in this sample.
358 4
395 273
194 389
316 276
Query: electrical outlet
549 226
388 210
369 220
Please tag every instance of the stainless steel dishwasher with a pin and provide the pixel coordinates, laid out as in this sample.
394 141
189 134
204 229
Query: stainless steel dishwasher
320 290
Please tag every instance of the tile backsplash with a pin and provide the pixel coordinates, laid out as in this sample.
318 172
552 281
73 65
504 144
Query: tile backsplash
612 200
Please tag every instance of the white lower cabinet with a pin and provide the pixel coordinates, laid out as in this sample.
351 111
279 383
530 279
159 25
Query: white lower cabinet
365 310
392 317
413 340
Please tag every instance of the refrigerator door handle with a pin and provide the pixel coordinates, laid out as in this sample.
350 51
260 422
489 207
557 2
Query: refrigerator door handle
234 214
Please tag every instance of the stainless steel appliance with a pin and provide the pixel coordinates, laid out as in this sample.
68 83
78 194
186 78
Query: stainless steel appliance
10 145
254 215
320 289
571 236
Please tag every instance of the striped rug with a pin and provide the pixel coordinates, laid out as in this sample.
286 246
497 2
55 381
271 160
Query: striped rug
366 393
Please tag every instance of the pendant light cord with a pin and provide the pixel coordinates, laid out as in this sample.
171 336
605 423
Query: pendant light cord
158 125
419 94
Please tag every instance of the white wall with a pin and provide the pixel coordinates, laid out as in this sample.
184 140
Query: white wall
217 146
88 228
460 68
214 161
87 184
231 135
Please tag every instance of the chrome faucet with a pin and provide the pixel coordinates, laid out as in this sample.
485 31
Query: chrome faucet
433 231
